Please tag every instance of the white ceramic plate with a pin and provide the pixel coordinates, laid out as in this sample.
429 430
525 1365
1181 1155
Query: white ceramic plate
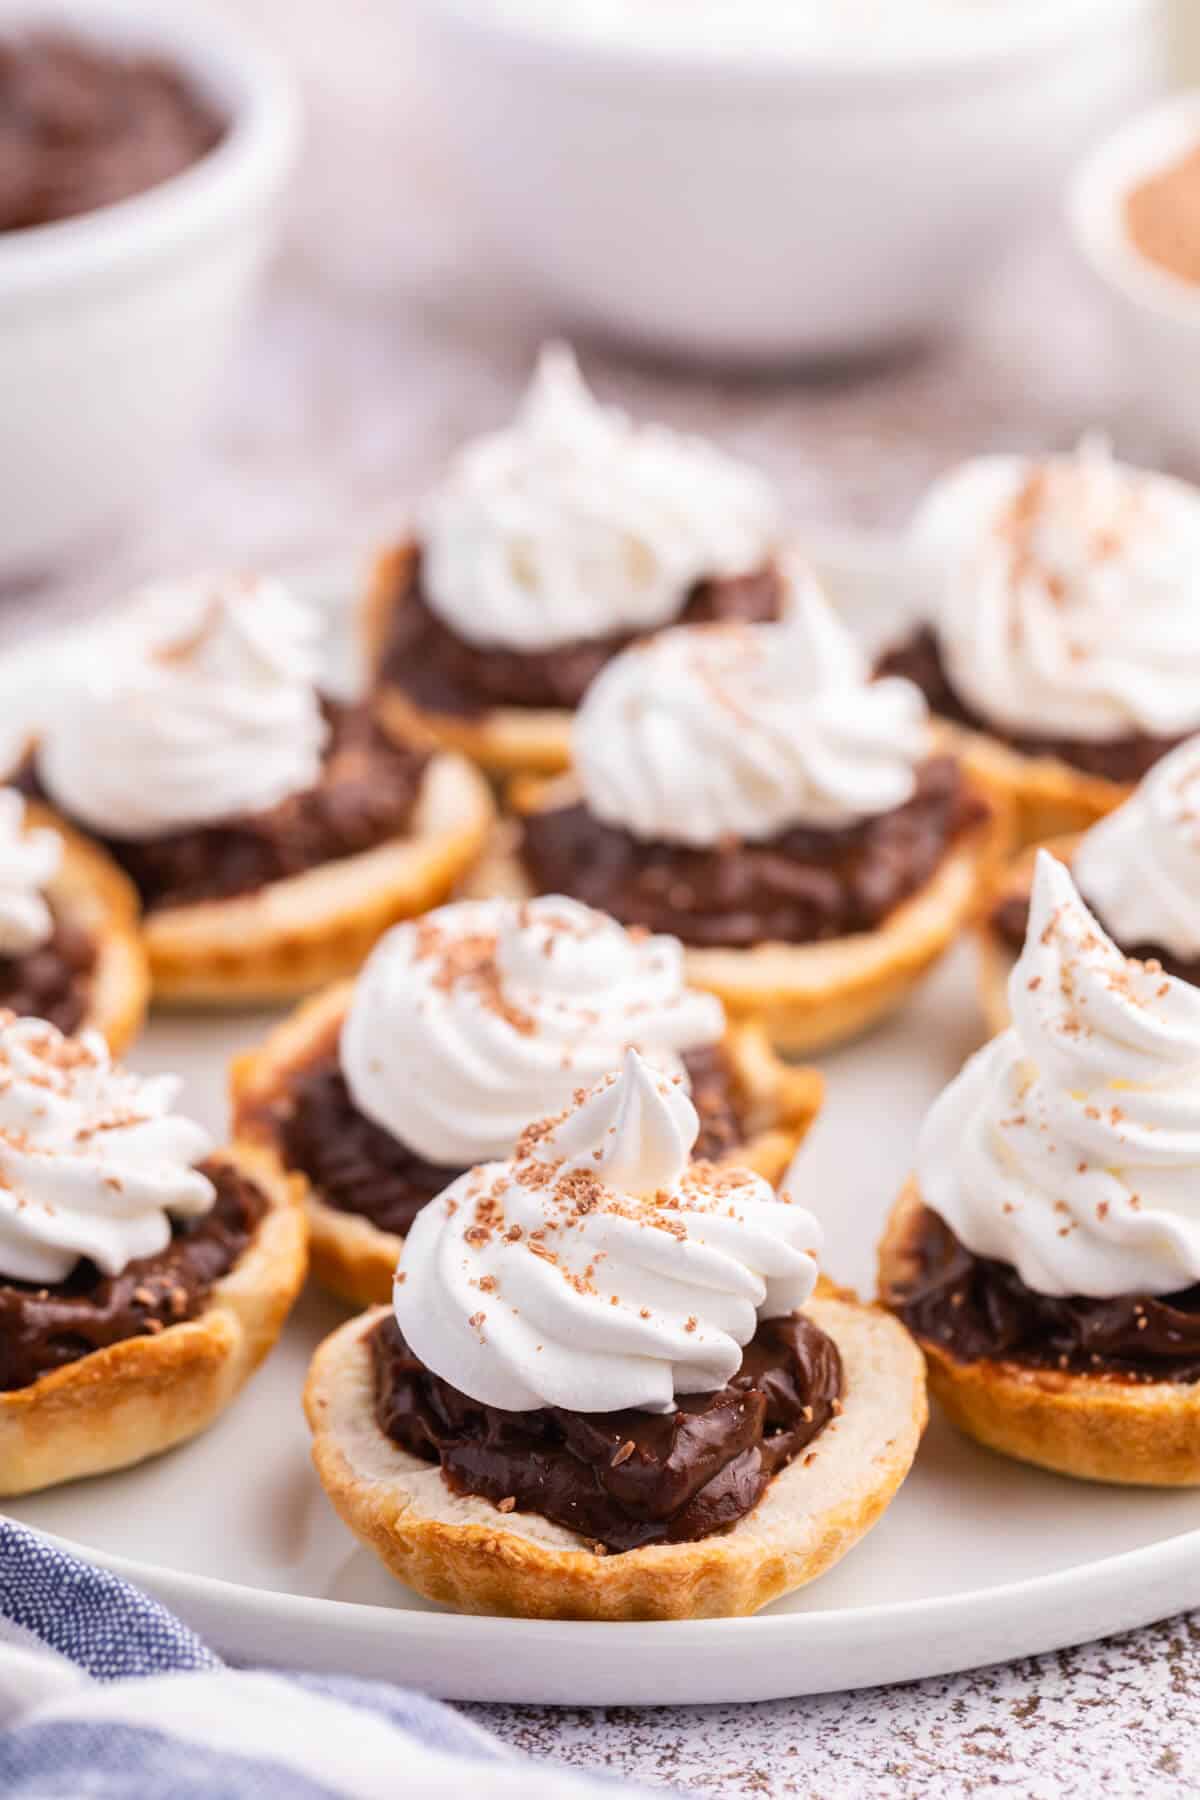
978 1560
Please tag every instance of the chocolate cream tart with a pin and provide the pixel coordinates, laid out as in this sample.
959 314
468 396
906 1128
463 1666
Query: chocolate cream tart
70 945
791 821
1061 645
144 1273
1046 1254
463 1024
271 833
1138 871
607 1387
549 547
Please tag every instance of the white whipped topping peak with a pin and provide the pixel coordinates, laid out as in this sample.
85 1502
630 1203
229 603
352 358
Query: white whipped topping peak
598 1269
1140 866
576 523
1070 1146
93 1161
1066 593
635 1133
469 1022
713 732
205 707
29 861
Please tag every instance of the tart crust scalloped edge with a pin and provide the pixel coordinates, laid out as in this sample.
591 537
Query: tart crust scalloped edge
807 996
1132 1433
1045 796
295 935
356 1260
456 1550
131 1400
505 740
89 890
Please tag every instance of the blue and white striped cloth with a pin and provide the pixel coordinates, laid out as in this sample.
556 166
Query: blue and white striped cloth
103 1694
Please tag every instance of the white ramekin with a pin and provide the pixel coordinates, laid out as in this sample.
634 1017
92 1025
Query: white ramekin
114 326
760 207
1157 313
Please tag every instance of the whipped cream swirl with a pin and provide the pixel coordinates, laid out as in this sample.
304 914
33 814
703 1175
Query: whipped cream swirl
711 732
1070 1146
1140 866
205 707
575 523
469 1022
1067 594
598 1269
93 1161
29 861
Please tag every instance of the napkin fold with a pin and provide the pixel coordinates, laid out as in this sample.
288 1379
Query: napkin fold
104 1693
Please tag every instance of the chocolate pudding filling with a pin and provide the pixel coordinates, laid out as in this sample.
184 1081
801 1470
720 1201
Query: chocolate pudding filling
53 982
367 794
1123 759
1009 920
442 673
622 1479
356 1166
802 887
82 127
980 1310
45 1328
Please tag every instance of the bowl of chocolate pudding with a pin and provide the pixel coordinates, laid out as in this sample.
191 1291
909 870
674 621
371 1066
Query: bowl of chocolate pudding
1135 212
143 154
757 181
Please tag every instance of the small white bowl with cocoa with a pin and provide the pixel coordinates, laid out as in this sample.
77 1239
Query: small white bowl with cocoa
1135 212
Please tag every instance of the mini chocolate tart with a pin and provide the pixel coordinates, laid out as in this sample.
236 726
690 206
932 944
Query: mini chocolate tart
91 973
815 934
270 904
1105 1390
363 1189
1003 925
715 1510
101 1372
1054 785
510 711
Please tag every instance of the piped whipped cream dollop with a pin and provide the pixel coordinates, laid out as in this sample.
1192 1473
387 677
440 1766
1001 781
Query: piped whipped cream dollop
710 732
472 1020
599 1268
93 1160
576 523
1070 1146
1066 594
29 861
203 706
1140 866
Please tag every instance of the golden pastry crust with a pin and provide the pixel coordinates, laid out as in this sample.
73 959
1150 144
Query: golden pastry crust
1046 798
806 996
134 1399
355 1259
505 740
1136 1434
89 890
466 1554
996 955
295 935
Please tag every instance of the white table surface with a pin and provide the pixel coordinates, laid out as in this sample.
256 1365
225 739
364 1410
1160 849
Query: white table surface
384 337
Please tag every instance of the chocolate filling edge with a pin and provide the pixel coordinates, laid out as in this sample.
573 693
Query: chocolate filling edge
622 1480
44 1328
976 1309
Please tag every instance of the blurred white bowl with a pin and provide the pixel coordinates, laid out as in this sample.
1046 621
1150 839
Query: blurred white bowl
765 205
1159 313
114 326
